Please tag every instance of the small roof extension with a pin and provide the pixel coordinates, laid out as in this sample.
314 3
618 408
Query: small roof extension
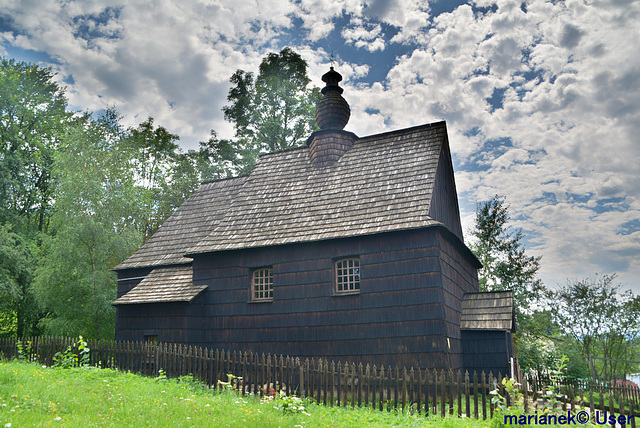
492 310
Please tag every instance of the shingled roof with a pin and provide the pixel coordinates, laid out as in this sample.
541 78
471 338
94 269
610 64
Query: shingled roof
191 222
382 183
488 311
164 284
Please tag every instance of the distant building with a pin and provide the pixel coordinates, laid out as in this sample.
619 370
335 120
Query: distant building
349 249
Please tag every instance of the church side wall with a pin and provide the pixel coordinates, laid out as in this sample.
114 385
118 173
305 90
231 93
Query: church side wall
410 283
397 318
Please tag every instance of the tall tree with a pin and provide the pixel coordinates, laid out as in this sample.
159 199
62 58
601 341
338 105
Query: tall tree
165 174
506 266
274 111
602 319
16 269
94 226
32 118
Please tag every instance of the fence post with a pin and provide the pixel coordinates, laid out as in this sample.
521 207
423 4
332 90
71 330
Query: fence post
375 382
483 390
427 381
466 393
525 393
451 394
412 398
382 388
301 379
333 382
395 391
367 375
459 393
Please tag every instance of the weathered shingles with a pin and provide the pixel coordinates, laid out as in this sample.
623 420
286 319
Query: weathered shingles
382 183
194 220
487 311
164 284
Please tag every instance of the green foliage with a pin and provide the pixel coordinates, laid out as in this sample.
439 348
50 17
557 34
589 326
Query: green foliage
8 324
536 354
602 319
231 384
24 350
162 376
79 194
288 404
502 408
94 227
552 396
506 266
69 358
32 119
577 366
16 271
274 111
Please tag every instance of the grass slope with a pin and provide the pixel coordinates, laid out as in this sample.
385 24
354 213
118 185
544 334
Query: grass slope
32 395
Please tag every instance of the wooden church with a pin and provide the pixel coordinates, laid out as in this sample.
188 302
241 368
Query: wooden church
348 249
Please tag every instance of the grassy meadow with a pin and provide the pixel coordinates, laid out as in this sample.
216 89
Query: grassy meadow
35 396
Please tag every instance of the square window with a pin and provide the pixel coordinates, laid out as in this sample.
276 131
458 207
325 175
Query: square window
348 275
262 284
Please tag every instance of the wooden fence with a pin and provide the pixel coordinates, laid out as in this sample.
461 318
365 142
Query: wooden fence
422 391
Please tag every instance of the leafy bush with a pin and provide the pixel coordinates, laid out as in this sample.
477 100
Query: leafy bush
69 358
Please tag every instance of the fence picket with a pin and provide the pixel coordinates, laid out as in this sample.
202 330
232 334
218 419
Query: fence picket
351 384
483 390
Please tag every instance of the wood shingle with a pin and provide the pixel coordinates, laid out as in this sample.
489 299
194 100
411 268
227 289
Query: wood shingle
488 311
383 183
164 284
194 220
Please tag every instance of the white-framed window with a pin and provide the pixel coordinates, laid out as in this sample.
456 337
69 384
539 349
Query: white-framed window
262 284
348 275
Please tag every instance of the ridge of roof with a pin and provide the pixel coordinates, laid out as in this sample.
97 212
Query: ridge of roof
441 123
215 180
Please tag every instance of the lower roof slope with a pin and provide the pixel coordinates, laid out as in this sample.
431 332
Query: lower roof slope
191 222
164 284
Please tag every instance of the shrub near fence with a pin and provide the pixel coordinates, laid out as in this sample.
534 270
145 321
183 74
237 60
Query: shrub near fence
423 391
609 398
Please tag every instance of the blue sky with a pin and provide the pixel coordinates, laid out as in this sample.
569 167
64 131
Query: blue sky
541 98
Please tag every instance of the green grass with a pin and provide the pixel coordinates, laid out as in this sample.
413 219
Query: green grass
32 395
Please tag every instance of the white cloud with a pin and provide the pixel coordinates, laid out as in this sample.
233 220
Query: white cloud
569 115
560 140
364 35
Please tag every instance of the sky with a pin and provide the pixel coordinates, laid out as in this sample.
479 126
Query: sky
541 98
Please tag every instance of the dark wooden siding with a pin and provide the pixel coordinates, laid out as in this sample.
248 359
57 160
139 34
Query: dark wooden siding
127 279
398 317
130 278
459 276
170 322
487 350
